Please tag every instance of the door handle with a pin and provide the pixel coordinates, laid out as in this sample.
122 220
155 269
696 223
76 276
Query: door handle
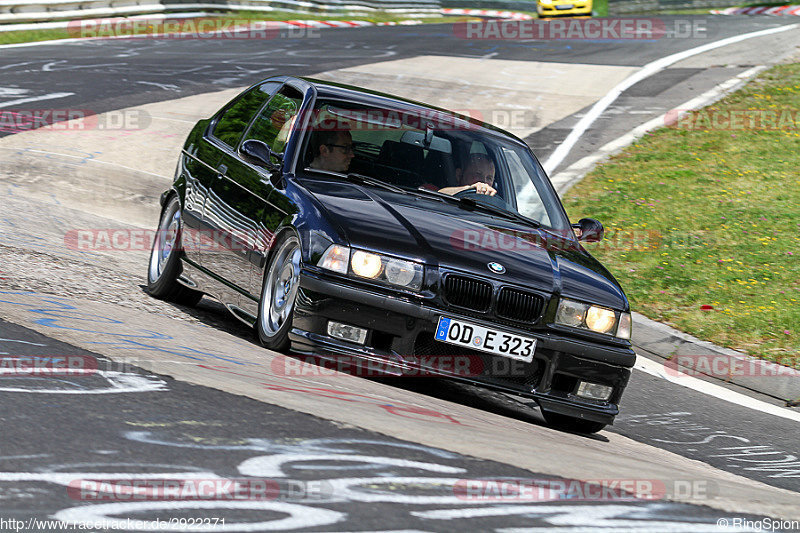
221 170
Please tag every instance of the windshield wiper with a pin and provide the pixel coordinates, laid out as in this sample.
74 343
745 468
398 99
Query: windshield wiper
366 180
502 212
472 203
360 179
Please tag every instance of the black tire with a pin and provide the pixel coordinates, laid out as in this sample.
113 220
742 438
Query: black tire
164 265
571 424
279 293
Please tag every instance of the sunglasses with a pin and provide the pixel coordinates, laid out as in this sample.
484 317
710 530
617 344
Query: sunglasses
347 148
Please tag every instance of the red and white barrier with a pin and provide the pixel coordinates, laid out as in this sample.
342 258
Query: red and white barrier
788 10
513 15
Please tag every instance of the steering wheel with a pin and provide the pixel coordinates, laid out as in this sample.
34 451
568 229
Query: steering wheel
472 194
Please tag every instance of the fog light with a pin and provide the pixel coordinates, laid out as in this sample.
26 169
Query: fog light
347 332
594 391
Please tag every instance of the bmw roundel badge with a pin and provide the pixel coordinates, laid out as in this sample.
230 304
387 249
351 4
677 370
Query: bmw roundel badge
497 268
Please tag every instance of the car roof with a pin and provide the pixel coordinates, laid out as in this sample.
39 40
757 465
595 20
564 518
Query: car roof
329 89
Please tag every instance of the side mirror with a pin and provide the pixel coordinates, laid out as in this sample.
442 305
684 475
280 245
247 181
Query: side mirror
258 153
589 230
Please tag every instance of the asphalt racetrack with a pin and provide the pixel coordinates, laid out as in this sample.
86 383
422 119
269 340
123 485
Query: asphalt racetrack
174 393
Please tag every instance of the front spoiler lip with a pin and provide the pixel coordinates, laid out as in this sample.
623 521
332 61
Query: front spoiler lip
323 345
317 344
586 349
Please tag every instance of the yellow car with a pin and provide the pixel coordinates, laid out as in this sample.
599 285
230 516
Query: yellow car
552 8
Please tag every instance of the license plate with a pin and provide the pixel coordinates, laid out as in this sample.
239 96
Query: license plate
485 339
565 6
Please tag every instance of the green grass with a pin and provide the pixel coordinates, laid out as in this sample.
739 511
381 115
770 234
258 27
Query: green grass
710 216
600 8
376 16
14 37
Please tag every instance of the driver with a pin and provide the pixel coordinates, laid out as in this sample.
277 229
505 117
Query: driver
332 147
477 174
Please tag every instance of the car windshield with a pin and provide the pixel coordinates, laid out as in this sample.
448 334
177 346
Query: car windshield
436 151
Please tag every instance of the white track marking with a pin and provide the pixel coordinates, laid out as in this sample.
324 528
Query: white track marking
165 86
300 516
568 177
657 369
118 382
647 70
272 465
18 101
22 342
581 518
65 478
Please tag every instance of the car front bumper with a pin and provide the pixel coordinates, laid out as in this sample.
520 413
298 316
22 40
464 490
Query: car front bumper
400 338
553 11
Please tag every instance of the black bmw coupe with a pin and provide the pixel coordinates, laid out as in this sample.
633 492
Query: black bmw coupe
345 223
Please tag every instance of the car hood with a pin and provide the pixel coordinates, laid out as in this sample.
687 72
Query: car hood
451 237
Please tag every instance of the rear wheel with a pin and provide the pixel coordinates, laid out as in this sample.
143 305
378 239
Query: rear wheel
165 263
278 294
575 425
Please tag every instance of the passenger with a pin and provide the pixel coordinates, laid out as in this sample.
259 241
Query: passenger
477 174
332 148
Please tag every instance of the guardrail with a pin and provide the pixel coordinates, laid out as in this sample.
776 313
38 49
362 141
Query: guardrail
21 11
624 7
16 11
511 5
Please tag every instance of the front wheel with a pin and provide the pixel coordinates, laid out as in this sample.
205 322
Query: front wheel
574 425
165 262
278 294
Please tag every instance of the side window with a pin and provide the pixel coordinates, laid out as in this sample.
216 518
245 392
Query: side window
276 119
234 120
529 202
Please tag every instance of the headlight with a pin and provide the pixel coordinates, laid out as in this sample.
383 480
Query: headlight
593 317
600 319
387 269
571 313
335 258
366 265
401 272
373 266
